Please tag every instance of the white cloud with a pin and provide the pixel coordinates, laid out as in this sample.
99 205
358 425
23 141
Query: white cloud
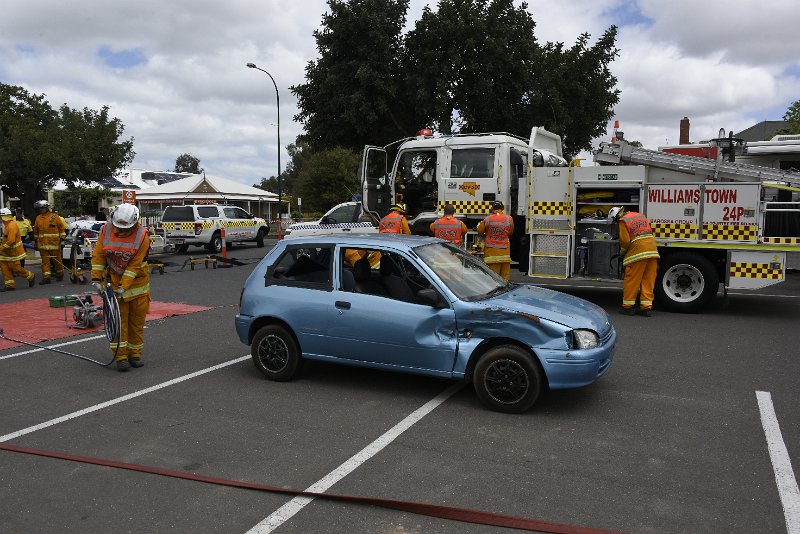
723 64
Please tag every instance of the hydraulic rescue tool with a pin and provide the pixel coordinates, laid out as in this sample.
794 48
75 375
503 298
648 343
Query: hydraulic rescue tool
85 313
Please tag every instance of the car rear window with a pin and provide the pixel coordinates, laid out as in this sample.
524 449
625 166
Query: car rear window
305 265
177 214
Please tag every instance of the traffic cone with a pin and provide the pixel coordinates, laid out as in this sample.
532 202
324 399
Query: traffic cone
280 231
224 245
616 128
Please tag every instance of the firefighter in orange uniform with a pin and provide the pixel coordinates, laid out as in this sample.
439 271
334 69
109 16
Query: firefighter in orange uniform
49 231
120 259
395 222
497 227
637 244
448 227
11 253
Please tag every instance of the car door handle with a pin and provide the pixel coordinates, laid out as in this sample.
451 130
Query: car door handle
342 305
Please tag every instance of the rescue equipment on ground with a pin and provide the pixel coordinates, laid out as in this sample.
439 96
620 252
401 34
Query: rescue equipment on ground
88 314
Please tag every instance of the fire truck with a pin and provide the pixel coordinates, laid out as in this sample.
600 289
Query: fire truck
716 221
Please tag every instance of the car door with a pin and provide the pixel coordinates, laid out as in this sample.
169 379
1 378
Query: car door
382 329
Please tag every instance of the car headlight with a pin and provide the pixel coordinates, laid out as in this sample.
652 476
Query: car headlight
584 339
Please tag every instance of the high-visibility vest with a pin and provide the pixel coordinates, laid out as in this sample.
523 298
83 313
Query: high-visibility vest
11 248
498 228
391 224
637 225
449 229
120 250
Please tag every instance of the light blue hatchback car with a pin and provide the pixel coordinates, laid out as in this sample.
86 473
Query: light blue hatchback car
419 305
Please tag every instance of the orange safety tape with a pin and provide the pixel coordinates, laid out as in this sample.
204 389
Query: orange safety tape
465 515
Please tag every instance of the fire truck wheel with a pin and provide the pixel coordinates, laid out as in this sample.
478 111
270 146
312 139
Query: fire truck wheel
506 379
275 353
686 282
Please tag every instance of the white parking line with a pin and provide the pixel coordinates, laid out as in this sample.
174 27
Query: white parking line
781 463
51 346
118 400
285 512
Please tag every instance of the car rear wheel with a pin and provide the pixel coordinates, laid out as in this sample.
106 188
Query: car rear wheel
275 353
507 380
215 245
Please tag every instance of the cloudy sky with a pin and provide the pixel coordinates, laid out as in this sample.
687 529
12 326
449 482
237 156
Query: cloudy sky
174 72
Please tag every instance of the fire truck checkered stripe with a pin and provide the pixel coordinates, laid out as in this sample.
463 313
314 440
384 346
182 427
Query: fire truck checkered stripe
730 233
336 225
469 206
755 270
551 208
782 240
674 231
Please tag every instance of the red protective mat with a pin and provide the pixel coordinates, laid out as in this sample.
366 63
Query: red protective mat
35 321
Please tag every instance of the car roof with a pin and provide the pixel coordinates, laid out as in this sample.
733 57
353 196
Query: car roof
365 240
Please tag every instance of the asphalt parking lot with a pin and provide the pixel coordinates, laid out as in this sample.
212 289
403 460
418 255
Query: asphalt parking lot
672 439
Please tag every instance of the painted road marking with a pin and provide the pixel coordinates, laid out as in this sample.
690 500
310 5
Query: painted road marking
285 512
112 402
781 464
31 351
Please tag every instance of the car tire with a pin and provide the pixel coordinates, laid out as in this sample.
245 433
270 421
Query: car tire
260 237
215 245
686 283
506 379
275 353
181 248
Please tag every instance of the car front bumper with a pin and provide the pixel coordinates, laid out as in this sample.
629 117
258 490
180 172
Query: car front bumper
578 367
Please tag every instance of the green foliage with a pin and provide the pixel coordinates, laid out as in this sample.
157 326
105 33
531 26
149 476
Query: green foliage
792 116
187 163
328 178
468 66
76 201
352 94
40 145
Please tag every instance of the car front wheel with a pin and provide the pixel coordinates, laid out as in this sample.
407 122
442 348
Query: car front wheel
507 380
275 353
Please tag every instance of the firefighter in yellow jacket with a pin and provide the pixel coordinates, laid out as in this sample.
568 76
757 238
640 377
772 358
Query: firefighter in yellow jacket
640 260
395 222
49 231
120 259
11 253
498 227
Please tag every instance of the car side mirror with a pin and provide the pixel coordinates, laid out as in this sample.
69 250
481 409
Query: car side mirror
431 297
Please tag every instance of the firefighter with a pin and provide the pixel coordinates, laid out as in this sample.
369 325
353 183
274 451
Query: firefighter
640 260
395 222
497 227
25 230
11 253
49 231
119 258
448 227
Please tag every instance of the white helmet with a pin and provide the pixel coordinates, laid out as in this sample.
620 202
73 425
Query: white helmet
5 212
41 204
614 212
125 216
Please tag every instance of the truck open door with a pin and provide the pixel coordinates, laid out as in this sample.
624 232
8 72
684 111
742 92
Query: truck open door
376 185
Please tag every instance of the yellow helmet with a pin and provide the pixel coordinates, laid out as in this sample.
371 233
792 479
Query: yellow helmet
400 208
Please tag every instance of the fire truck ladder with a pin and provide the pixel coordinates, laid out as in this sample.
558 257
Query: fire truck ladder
623 153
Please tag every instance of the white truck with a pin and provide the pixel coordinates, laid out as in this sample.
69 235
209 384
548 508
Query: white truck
201 225
711 218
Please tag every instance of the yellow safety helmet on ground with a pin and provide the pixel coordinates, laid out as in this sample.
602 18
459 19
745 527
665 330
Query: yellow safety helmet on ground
399 208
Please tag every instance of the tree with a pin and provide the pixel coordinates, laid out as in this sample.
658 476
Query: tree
328 178
352 95
188 163
792 116
39 145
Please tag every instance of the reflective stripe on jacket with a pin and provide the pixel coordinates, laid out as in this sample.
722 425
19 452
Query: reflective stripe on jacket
49 230
498 228
392 223
449 229
11 249
123 259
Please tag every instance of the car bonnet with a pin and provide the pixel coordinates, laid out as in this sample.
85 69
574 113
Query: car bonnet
571 311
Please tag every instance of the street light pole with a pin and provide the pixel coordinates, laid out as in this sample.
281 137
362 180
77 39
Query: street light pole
278 99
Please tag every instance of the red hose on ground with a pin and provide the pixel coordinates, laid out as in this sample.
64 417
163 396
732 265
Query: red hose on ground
432 510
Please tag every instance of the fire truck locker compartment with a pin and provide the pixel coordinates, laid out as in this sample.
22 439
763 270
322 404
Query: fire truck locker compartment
755 269
549 257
